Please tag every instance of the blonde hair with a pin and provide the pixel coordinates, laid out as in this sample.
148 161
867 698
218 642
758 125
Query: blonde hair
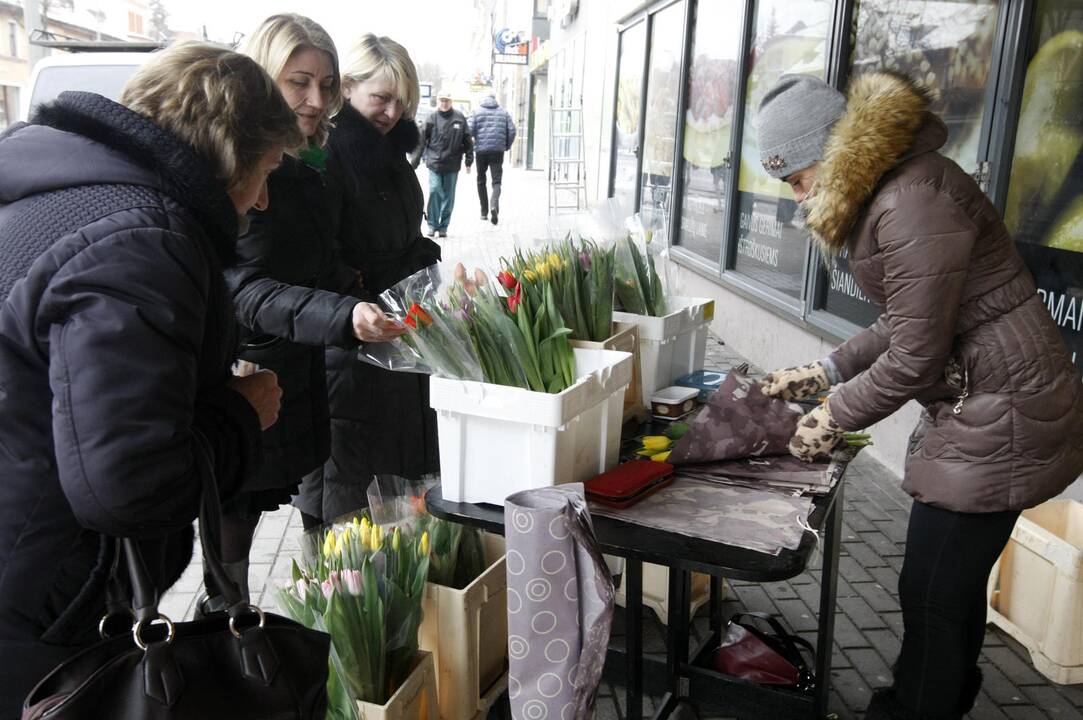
222 103
381 56
278 38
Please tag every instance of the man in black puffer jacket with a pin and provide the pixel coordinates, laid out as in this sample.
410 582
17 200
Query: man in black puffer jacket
493 131
117 336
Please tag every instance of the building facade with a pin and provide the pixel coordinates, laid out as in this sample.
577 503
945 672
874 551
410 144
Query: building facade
672 89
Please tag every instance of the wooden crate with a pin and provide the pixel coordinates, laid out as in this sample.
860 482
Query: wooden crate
414 700
625 338
467 633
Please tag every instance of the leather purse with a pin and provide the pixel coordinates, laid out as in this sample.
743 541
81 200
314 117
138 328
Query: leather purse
769 657
241 663
628 483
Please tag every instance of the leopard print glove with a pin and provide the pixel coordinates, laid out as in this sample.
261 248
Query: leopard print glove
817 435
796 383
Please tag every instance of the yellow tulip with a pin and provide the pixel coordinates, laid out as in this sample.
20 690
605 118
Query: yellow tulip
655 442
542 269
554 262
395 540
530 276
377 536
662 456
423 548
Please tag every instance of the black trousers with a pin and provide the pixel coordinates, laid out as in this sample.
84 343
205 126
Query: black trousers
493 161
942 592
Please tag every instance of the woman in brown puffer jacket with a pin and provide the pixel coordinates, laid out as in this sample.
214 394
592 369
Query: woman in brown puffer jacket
963 332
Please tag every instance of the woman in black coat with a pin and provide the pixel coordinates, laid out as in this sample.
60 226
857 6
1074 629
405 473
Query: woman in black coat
280 284
117 336
380 420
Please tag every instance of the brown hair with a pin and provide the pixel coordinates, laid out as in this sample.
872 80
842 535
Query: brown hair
220 102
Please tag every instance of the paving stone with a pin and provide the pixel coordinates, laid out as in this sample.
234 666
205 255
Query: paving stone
892 530
851 687
265 550
846 633
851 570
856 521
888 579
870 510
1024 712
1013 666
1052 702
802 579
999 687
780 591
877 597
858 610
849 534
755 599
797 614
836 706
879 542
176 606
865 555
985 709
885 643
894 621
810 594
871 666
1074 693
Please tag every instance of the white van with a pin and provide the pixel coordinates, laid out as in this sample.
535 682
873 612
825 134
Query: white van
104 73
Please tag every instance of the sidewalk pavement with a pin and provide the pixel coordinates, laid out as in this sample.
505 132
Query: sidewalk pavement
868 626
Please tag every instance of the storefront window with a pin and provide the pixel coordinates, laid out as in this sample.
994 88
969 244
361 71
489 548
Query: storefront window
947 46
772 244
626 134
1044 209
708 127
660 121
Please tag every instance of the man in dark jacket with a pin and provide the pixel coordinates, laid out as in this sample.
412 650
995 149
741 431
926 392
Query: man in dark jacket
493 131
446 141
117 336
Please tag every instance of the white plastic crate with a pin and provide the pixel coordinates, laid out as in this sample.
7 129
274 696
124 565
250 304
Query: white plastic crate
1036 588
497 440
672 345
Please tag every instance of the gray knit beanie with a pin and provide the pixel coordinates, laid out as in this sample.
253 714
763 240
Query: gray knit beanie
795 119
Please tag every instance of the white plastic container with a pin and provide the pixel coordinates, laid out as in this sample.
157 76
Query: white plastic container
673 345
497 440
673 402
1036 588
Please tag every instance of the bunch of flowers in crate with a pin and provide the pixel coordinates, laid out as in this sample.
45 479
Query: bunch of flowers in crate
638 287
508 333
363 586
580 273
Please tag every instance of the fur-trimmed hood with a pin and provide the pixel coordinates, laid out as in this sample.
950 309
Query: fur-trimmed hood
886 121
356 141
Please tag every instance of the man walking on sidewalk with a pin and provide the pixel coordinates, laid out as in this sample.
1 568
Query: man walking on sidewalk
494 132
446 140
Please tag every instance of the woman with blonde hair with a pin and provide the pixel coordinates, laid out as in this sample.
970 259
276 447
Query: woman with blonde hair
380 420
116 336
281 284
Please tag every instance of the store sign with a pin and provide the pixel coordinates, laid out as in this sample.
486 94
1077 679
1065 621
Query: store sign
1058 274
843 296
771 243
511 47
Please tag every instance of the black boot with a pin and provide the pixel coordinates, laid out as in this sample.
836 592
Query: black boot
971 687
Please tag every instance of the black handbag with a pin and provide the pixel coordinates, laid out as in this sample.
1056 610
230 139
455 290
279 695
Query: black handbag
241 663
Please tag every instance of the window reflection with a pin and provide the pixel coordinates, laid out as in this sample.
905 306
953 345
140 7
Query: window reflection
626 137
708 127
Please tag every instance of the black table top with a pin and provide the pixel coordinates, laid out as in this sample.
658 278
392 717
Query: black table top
640 542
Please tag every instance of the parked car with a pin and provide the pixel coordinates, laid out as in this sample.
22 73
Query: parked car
104 73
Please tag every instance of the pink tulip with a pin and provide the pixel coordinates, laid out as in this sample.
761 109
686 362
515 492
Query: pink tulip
352 580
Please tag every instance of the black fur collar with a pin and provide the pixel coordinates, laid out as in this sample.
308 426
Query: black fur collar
356 141
184 176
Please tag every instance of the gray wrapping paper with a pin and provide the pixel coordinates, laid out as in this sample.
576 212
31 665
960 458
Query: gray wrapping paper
560 605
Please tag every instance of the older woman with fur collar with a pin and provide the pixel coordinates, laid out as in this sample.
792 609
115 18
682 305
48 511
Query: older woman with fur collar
963 332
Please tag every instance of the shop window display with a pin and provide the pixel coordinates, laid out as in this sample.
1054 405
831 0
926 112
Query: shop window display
946 45
660 120
1044 208
772 248
708 128
626 126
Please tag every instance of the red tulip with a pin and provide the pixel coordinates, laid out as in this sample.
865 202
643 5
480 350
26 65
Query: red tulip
515 298
418 312
507 280
411 322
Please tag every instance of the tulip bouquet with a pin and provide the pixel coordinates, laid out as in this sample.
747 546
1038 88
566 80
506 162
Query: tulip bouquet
364 588
639 289
581 276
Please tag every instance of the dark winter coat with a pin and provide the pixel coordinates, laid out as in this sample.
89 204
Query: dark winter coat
963 330
447 141
492 128
380 420
284 259
116 340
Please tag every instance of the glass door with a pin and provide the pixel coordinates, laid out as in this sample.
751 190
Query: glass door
626 137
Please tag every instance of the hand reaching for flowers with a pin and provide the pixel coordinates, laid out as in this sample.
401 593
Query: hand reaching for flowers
817 435
796 383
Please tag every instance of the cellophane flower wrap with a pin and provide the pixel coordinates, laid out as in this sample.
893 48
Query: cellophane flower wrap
363 586
638 287
509 332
